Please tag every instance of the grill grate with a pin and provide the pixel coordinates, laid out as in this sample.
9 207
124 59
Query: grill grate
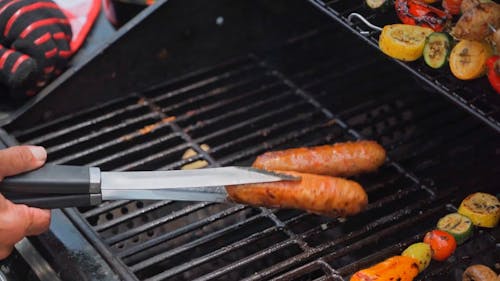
244 107
476 96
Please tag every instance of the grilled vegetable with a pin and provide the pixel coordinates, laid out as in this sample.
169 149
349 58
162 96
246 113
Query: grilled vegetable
458 225
414 12
468 59
340 159
442 244
420 252
402 41
475 23
321 195
395 268
437 49
452 6
481 208
479 272
377 4
493 65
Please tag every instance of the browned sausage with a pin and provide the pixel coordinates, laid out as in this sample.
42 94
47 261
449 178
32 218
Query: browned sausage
340 159
317 194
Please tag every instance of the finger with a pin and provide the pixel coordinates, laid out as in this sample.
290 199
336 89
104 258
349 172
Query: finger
39 221
19 159
5 251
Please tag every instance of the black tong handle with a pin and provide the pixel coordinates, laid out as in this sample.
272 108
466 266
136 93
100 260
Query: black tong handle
54 186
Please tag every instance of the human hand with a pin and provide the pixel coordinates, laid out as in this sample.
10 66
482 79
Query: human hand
35 40
18 221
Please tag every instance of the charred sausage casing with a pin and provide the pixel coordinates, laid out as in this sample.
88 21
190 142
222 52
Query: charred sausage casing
323 195
341 159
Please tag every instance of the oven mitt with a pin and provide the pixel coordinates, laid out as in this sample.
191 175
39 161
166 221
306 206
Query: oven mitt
26 65
35 38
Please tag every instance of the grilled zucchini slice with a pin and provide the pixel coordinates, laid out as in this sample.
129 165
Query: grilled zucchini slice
458 225
437 49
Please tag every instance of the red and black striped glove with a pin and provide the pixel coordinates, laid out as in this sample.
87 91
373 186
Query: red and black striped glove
35 40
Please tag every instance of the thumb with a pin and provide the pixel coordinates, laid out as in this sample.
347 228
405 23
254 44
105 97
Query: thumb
23 220
19 159
38 220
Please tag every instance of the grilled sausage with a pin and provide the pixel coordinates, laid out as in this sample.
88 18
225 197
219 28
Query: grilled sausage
341 159
323 195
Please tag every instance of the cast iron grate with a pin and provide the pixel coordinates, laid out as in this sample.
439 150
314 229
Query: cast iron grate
477 97
239 109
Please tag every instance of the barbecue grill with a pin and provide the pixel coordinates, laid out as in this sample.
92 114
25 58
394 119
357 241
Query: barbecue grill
244 79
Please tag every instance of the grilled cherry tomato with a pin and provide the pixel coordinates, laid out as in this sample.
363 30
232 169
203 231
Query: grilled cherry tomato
493 65
418 13
442 244
452 6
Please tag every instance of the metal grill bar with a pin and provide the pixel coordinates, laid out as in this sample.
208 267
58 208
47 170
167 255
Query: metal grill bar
266 130
131 215
105 207
385 232
212 255
246 109
392 197
143 161
380 222
445 136
136 148
248 259
207 81
179 231
200 241
211 93
128 124
378 256
135 108
263 146
127 234
252 238
225 102
128 137
51 127
303 270
389 218
430 124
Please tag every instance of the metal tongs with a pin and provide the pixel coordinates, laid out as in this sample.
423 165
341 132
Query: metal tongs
59 186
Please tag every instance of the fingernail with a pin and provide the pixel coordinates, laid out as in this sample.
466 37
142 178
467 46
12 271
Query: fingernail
38 152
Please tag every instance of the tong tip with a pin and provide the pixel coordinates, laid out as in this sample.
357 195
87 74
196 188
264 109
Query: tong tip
283 177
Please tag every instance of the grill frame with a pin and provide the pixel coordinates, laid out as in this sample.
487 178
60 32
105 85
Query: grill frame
317 258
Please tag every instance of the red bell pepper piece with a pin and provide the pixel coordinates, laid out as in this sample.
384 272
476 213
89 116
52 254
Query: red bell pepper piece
418 13
493 65
452 6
